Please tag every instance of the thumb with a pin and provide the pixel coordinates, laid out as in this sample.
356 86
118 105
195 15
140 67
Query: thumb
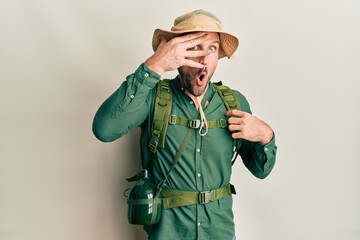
162 41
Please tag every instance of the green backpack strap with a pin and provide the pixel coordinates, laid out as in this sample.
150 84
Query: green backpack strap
160 122
162 109
228 96
231 102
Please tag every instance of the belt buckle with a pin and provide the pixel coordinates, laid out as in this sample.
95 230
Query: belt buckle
205 197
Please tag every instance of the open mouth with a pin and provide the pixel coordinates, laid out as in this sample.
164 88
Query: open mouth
202 74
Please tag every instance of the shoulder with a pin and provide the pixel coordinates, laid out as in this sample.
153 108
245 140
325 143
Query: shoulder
244 104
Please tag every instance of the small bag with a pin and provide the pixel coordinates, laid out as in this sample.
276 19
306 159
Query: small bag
144 202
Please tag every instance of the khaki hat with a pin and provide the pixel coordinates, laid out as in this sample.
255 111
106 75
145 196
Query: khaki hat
199 21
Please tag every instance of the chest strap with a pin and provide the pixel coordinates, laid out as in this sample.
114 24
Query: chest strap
177 198
195 123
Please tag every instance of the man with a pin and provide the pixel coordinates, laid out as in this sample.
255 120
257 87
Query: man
193 46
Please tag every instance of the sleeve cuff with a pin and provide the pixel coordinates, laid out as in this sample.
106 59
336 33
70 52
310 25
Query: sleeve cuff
268 149
146 76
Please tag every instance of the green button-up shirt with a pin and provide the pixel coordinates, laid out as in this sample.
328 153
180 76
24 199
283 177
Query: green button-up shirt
205 163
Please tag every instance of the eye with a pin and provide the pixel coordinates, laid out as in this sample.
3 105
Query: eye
195 48
212 49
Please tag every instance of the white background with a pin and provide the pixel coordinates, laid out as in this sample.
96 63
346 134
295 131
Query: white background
298 64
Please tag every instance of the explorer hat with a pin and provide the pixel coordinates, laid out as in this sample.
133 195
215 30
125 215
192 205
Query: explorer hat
199 21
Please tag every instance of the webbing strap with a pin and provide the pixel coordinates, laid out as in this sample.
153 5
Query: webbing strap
162 109
144 201
231 102
195 123
177 198
154 202
228 96
177 156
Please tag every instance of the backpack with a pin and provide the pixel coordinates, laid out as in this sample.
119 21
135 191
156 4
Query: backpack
144 202
162 117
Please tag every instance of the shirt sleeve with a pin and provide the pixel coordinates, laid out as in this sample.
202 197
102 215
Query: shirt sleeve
128 107
257 157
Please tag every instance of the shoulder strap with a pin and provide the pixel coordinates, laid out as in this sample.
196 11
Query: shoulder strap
162 109
231 102
160 121
228 96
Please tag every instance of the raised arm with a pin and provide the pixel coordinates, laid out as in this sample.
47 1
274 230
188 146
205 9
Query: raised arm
128 107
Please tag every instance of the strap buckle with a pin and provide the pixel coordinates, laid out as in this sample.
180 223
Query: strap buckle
153 143
172 119
164 88
205 197
194 123
223 123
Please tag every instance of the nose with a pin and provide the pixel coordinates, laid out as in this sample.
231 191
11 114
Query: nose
204 60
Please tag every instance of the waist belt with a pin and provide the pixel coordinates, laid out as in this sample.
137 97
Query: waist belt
176 198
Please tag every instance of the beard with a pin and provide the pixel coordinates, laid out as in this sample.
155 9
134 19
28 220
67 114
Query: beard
189 80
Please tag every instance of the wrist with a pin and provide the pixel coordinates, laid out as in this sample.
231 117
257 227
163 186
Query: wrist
267 138
153 66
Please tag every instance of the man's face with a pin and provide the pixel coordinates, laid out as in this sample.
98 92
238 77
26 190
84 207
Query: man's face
196 80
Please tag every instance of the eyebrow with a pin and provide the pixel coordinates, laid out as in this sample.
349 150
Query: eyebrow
215 42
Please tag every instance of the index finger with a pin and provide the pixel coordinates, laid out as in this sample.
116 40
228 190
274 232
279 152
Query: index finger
195 41
191 36
235 113
191 40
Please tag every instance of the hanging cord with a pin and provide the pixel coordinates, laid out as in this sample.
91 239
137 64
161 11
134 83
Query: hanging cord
176 158
204 123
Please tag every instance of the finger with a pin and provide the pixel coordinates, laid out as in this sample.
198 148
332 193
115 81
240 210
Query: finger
189 40
191 36
237 135
193 64
192 42
235 128
162 41
198 53
235 120
235 113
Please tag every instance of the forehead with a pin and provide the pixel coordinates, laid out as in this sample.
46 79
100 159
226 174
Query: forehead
213 36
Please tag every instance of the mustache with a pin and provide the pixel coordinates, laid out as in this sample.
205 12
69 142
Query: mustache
202 70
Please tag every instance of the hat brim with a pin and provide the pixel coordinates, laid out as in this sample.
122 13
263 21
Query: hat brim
228 42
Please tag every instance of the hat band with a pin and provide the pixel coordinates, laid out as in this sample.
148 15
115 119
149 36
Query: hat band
198 24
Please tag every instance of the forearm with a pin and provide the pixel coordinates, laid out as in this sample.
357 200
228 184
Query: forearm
127 107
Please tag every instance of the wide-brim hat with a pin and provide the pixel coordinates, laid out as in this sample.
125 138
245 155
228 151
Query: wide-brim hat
199 21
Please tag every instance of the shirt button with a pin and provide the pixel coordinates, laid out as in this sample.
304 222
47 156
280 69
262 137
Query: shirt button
266 149
198 150
198 224
191 102
199 174
146 75
132 96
